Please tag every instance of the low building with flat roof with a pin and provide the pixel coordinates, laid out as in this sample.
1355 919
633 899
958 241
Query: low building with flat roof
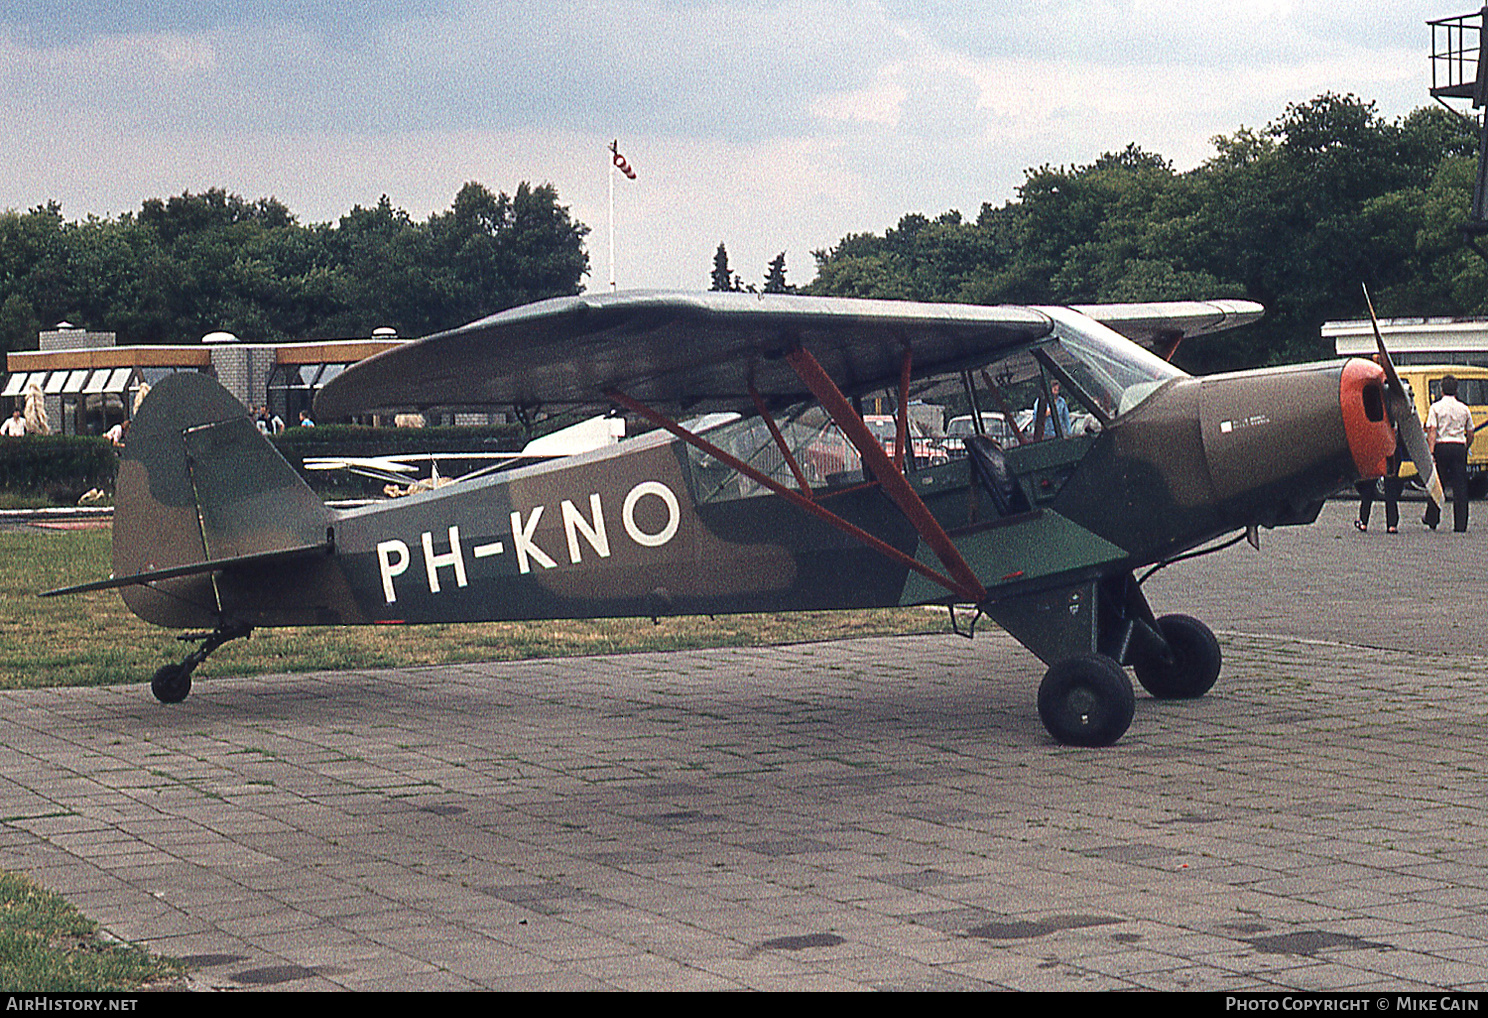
1415 340
90 384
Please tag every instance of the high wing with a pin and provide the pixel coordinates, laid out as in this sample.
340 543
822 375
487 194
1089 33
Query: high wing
697 352
1160 325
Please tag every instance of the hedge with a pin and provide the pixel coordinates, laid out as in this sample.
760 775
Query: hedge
62 467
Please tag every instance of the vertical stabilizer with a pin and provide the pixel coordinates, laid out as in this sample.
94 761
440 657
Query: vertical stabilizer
198 482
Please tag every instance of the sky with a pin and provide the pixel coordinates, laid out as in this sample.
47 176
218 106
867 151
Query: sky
766 125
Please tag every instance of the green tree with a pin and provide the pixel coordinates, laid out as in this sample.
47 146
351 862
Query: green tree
1294 215
33 268
919 259
183 266
380 270
1282 213
501 251
775 276
18 324
723 278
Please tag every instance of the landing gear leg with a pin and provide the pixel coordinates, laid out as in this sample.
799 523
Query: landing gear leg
1083 632
172 683
1088 632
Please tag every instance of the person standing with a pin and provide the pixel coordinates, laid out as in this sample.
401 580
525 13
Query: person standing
1449 430
15 427
1393 485
1060 424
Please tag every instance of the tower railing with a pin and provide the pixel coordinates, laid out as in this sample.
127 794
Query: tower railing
1456 70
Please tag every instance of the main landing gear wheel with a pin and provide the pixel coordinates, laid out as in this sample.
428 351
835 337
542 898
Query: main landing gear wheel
1195 662
1086 700
171 683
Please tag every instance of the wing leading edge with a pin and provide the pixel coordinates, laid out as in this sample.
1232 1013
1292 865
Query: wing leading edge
1160 324
698 352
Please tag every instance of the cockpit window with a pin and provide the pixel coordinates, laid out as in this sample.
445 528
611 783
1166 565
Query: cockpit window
1064 387
1111 369
820 450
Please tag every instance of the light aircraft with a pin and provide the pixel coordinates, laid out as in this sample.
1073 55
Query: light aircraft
401 473
761 489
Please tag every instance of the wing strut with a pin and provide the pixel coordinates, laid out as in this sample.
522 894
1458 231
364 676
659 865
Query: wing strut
975 594
894 483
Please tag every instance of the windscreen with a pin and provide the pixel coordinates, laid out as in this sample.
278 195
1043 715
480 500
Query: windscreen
1110 369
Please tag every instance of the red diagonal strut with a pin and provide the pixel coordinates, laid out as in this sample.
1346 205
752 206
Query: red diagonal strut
796 498
894 483
790 459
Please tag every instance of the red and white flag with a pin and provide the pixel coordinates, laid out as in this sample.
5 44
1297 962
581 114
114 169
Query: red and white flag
619 160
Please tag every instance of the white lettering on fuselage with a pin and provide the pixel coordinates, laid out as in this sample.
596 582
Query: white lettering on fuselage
390 567
575 524
1240 424
433 562
674 514
522 539
393 558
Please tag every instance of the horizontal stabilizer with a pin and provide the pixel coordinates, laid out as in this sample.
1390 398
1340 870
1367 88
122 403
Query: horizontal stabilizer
197 568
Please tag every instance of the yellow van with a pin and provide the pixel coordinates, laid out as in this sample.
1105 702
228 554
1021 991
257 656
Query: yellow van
1424 381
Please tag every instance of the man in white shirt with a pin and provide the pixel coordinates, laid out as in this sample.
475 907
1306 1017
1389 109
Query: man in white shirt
1449 429
15 427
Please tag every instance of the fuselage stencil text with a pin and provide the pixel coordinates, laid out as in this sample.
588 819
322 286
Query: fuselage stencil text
444 554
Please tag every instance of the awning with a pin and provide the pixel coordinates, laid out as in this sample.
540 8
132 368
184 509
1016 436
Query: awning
78 381
16 384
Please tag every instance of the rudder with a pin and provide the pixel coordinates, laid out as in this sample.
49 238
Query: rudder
198 482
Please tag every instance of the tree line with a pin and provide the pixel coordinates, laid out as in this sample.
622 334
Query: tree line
1295 215
181 267
723 278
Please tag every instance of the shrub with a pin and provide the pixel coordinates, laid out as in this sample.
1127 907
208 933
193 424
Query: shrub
60 466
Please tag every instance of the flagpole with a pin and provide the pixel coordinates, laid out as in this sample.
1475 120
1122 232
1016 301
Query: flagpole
614 147
617 162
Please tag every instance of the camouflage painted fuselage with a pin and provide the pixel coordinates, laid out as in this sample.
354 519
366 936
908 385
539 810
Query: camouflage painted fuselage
627 531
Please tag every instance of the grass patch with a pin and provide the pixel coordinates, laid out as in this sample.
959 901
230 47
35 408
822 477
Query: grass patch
46 945
24 500
92 639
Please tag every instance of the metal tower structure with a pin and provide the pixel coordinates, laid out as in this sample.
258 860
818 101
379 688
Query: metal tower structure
1459 72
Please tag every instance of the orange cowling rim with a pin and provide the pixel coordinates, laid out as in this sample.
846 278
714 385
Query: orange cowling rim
1361 397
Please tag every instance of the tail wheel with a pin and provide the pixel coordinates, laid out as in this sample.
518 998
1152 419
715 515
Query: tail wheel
1195 663
171 683
1086 700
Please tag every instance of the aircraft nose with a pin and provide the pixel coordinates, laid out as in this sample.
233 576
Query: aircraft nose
1290 436
1361 396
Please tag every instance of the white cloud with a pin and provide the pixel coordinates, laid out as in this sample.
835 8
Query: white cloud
765 124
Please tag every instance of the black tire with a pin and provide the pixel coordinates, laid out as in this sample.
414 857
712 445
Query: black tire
171 684
1195 665
1086 700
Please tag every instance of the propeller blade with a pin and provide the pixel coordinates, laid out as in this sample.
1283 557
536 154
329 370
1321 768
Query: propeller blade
1408 426
1403 413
